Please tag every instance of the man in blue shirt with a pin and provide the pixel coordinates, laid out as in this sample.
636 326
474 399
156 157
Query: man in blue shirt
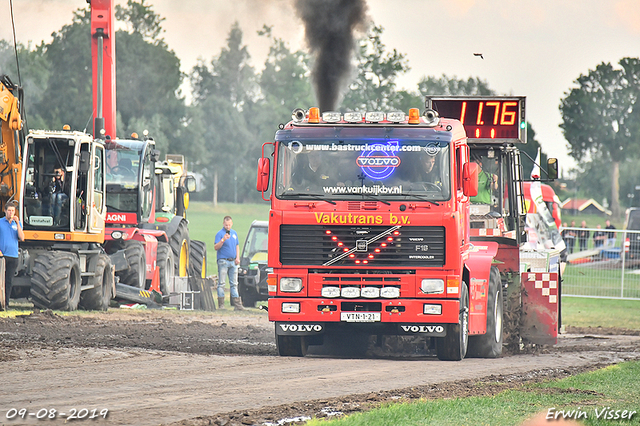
10 233
228 256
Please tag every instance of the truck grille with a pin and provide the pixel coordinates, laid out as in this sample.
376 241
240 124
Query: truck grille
324 245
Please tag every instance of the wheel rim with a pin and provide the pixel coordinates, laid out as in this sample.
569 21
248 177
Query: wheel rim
182 266
497 309
204 268
142 272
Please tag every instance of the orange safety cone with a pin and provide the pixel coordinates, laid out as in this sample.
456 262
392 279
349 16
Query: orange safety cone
155 282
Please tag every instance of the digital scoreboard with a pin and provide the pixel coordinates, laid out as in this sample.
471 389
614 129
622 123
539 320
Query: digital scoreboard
491 119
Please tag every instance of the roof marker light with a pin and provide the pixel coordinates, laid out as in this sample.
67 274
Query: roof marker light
396 116
331 116
314 115
414 116
353 117
374 116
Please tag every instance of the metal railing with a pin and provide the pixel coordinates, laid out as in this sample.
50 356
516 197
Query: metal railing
607 267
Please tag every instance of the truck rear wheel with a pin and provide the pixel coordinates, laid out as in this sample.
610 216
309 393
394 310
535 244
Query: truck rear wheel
180 248
55 283
453 347
291 345
98 298
489 345
166 267
136 274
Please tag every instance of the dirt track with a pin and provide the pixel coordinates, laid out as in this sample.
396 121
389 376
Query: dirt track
158 367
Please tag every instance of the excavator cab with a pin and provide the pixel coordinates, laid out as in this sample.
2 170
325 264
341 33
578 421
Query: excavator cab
64 183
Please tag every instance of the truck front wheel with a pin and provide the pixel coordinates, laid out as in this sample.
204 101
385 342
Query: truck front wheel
291 345
453 347
489 345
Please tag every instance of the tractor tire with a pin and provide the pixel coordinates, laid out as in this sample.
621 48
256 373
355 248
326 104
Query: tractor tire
453 347
489 345
166 267
197 259
248 296
56 280
291 345
98 298
136 275
179 241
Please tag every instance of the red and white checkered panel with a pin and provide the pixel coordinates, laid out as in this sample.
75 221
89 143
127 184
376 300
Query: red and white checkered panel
540 306
486 232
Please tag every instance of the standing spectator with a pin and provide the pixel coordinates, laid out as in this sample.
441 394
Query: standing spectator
599 237
611 236
583 236
10 234
569 236
228 256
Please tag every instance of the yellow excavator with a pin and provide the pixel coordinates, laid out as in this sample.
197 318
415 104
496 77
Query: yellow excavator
57 177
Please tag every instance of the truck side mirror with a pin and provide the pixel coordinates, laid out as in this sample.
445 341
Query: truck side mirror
262 183
470 179
552 168
155 155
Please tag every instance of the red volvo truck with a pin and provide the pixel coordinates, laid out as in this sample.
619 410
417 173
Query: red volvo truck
378 226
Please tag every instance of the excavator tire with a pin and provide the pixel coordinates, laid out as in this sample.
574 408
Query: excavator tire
180 246
55 283
136 275
166 267
98 298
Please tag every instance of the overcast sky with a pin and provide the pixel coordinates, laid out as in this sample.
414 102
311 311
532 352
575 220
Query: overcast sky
534 48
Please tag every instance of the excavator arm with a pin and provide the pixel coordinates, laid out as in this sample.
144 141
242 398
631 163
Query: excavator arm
11 140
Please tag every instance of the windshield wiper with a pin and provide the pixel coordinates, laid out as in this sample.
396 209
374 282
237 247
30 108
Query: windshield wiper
419 197
306 194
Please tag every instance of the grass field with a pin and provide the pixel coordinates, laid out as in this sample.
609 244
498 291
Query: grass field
589 312
589 393
205 221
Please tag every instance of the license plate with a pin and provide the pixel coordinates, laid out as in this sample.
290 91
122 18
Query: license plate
360 316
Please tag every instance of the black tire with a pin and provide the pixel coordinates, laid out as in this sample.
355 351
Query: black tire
136 274
55 283
204 299
197 259
489 345
179 241
291 345
249 297
453 347
166 267
98 298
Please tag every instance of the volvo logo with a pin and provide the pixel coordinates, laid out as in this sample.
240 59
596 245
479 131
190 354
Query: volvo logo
422 328
362 245
300 327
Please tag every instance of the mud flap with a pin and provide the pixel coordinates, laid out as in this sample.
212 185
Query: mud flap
540 307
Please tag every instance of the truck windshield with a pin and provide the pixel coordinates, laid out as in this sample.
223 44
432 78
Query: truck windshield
123 165
352 170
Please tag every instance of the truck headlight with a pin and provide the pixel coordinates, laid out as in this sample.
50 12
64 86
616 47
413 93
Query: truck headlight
432 309
290 285
432 286
290 308
390 292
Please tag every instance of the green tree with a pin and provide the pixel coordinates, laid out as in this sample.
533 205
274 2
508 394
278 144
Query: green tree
34 76
453 86
141 19
224 94
601 118
374 88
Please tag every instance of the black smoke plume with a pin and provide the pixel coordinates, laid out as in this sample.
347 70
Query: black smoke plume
329 30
